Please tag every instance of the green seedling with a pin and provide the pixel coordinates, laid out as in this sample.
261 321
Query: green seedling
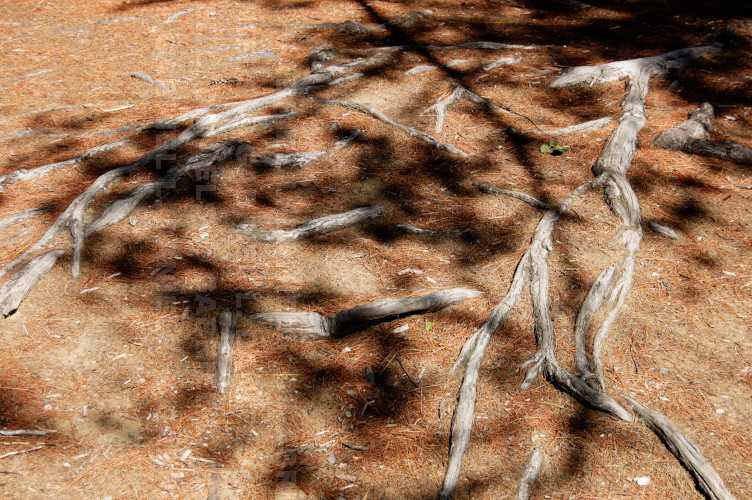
553 148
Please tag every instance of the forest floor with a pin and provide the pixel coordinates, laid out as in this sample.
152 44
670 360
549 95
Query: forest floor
116 366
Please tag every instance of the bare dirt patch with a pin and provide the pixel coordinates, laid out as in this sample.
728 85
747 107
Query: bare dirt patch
116 365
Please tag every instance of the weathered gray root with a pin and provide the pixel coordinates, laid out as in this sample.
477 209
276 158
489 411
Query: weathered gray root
120 209
610 171
208 158
688 137
73 215
307 326
504 61
21 216
301 159
430 233
27 174
534 202
708 480
695 127
223 369
149 79
15 289
656 66
315 227
413 132
662 230
580 127
530 473
460 93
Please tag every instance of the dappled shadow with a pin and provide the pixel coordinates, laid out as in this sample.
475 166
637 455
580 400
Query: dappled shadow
181 257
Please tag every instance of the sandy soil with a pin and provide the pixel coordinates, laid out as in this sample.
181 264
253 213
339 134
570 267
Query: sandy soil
116 366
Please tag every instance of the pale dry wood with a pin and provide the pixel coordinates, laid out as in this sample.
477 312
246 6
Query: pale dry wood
15 289
708 480
315 227
656 66
149 79
695 127
413 132
23 432
223 367
27 174
429 233
689 135
530 473
460 93
534 202
504 61
22 216
120 209
610 171
306 326
662 230
73 214
587 126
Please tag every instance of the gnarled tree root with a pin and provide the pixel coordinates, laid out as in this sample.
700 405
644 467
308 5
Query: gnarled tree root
315 227
223 369
306 326
708 480
15 289
688 137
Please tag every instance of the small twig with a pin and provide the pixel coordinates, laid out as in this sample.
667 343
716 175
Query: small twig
19 452
23 432
406 373
354 446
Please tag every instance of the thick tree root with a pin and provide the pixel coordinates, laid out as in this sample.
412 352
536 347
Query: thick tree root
708 480
315 227
22 216
610 288
223 370
309 326
530 474
688 137
73 215
27 174
15 289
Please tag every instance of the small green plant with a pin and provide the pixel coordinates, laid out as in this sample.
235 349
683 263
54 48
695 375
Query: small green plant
553 148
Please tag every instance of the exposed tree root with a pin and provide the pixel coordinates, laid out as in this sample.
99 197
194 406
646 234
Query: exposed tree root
608 292
688 137
223 370
73 215
149 79
708 480
663 230
530 474
428 233
534 202
306 326
315 227
413 132
27 174
460 93
21 216
15 289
